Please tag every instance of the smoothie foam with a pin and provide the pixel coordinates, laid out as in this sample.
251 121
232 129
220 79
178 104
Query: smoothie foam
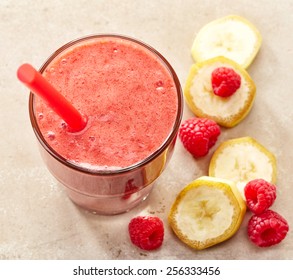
128 95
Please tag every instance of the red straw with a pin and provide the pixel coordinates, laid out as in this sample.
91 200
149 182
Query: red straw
40 86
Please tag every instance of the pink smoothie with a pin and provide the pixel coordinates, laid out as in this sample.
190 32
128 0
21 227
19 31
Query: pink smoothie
128 95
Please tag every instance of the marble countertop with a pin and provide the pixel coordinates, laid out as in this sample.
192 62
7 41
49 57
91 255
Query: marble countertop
37 220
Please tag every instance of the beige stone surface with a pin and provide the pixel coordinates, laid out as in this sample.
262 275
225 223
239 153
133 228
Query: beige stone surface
37 220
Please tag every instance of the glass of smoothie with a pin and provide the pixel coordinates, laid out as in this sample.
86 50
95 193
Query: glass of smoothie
132 99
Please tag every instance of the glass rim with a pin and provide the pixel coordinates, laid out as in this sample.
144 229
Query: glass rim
155 154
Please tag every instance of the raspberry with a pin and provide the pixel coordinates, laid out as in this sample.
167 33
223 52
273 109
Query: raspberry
267 229
260 195
146 232
225 81
198 135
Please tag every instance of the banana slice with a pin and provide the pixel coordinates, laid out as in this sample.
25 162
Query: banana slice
203 102
242 160
206 212
233 37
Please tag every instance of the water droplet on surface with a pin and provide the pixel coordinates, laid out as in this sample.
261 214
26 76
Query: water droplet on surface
64 61
40 116
64 125
52 70
159 85
51 135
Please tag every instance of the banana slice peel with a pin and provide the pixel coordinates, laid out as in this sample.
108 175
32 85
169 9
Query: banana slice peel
232 36
242 160
202 101
206 212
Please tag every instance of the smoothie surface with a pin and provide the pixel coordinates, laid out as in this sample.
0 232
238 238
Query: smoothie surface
127 93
